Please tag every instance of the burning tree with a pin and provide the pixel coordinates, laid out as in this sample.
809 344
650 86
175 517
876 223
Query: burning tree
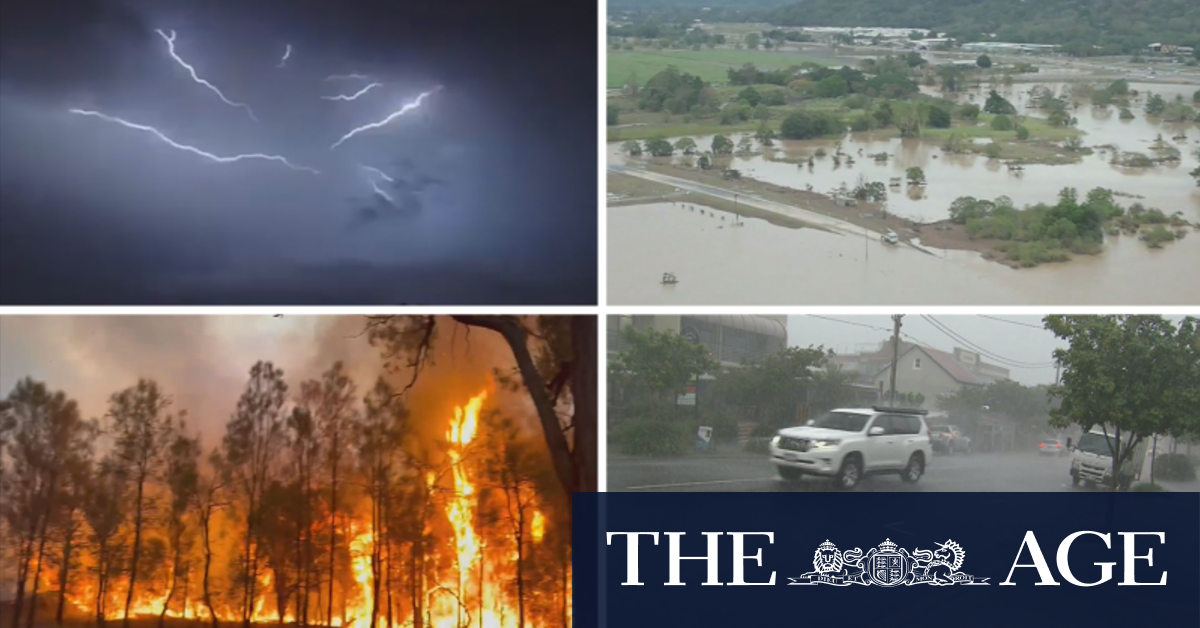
414 503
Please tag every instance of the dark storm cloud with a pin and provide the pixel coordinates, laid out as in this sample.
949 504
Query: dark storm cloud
497 203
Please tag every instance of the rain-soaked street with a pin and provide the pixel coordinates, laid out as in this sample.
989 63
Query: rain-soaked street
978 472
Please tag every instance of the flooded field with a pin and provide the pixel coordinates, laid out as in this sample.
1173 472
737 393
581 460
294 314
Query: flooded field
761 264
1168 187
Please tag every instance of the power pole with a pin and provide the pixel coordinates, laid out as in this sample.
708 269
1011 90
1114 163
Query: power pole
895 355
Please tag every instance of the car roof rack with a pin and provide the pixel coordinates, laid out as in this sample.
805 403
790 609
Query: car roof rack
900 410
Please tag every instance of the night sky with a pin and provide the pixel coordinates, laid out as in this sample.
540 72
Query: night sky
493 196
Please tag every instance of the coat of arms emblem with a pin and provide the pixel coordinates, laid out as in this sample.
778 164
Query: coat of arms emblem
888 565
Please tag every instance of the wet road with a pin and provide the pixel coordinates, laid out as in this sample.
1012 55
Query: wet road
977 472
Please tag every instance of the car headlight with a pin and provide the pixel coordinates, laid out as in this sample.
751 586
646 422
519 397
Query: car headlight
824 443
775 440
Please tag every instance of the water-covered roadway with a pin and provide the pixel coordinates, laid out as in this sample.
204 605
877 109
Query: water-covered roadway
977 472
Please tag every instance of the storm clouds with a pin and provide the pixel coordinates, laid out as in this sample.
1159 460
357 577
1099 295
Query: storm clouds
493 185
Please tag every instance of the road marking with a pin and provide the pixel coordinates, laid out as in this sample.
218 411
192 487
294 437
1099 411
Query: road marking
638 488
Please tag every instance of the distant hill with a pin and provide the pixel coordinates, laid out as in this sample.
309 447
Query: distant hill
1115 25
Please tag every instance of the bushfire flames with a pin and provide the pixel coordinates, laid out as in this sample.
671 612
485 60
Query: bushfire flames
465 593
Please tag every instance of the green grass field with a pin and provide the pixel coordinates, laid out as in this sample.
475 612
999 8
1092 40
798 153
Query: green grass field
709 65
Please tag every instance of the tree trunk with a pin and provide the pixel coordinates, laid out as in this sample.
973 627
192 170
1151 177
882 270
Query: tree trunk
415 569
375 554
137 548
248 582
207 567
333 511
520 562
37 571
64 572
162 616
23 557
566 584
584 394
101 581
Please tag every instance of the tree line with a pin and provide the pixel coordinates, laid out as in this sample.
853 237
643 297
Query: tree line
305 490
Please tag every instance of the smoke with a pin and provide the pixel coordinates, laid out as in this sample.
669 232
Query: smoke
203 362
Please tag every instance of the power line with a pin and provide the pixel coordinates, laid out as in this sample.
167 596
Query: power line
998 358
838 320
1005 320
907 335
942 327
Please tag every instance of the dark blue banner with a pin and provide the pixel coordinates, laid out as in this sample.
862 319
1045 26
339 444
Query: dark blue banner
887 559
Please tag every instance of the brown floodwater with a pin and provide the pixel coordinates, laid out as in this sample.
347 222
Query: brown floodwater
761 264
764 264
1168 187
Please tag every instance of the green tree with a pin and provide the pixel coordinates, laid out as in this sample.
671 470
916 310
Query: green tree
1196 96
832 87
632 147
1002 123
704 163
1132 376
1126 114
686 145
1196 175
614 112
752 41
722 145
939 118
998 105
915 176
884 114
657 364
969 112
659 147
1156 105
993 150
750 95
781 383
984 61
1022 132
803 126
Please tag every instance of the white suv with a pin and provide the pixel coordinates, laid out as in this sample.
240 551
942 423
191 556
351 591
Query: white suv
848 444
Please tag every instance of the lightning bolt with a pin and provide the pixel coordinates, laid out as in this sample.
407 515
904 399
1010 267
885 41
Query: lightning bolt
347 77
191 149
354 96
381 174
375 186
170 39
286 53
396 114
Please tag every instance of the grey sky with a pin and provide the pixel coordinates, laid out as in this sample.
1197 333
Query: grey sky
203 361
1016 340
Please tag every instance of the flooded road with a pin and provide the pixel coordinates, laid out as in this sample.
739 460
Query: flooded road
741 472
762 264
